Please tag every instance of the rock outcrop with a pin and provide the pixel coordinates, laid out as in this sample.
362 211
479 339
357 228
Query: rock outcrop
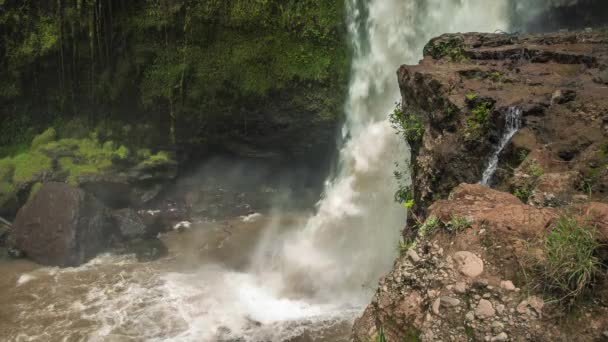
464 276
465 285
62 226
67 226
465 85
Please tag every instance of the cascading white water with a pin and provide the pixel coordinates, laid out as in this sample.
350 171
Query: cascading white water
512 125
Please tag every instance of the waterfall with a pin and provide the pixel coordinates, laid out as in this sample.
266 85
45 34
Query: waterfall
512 125
351 241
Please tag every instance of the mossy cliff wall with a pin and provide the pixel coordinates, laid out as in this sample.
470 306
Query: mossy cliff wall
243 76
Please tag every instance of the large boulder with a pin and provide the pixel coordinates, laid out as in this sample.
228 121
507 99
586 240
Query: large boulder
62 226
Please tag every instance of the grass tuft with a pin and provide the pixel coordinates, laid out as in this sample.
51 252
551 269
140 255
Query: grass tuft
570 265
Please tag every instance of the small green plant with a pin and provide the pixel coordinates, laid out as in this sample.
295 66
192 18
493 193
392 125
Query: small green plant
380 337
534 169
479 122
431 225
409 204
453 49
496 76
407 124
522 155
523 193
570 265
405 245
471 96
458 224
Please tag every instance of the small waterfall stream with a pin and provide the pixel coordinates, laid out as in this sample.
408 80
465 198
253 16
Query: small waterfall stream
512 125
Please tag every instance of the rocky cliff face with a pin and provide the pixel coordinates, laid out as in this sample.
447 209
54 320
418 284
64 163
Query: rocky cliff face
468 267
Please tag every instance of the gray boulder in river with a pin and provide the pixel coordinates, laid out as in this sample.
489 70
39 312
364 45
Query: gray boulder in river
62 226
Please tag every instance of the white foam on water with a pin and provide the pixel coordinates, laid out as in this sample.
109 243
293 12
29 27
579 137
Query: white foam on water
25 278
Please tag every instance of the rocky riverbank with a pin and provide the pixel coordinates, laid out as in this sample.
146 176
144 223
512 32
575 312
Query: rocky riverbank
488 263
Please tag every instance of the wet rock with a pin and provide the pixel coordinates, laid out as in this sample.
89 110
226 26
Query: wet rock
129 223
62 226
484 309
15 253
5 231
146 250
468 264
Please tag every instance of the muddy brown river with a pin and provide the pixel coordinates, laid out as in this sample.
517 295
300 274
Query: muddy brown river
206 289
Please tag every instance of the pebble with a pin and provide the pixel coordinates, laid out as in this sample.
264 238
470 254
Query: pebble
497 326
500 308
449 301
468 264
413 255
436 305
484 309
500 337
460 287
507 285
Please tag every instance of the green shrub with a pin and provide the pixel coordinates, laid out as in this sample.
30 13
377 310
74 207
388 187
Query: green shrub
570 265
431 225
479 122
408 125
523 193
35 188
534 169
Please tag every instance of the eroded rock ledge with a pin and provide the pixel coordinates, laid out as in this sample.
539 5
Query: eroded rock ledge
463 279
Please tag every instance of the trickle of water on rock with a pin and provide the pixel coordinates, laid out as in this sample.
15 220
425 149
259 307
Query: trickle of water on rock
512 125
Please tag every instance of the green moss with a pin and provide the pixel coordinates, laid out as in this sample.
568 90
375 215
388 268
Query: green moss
7 169
29 166
143 153
75 171
35 188
109 146
44 138
452 48
157 159
122 152
6 188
